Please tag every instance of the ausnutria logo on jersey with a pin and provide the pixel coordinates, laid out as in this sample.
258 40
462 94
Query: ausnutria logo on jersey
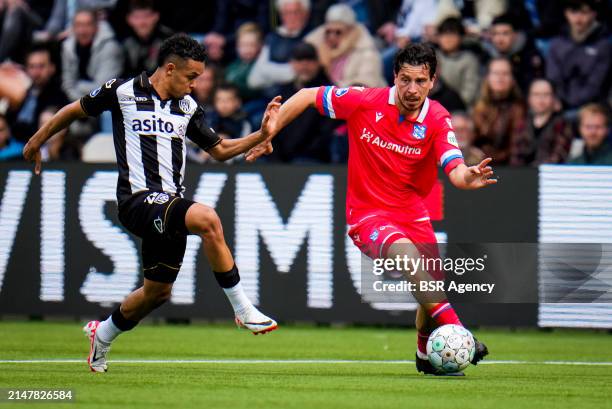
372 139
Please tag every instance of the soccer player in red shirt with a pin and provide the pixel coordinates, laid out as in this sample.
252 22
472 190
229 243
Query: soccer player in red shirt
396 137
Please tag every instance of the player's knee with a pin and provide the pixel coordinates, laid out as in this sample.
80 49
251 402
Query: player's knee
207 224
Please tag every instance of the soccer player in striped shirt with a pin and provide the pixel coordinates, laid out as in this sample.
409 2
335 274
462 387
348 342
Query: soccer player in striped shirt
152 115
396 137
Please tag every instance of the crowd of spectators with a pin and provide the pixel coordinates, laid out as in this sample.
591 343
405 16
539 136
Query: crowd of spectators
527 82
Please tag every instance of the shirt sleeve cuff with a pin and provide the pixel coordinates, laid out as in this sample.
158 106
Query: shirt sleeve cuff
452 164
319 100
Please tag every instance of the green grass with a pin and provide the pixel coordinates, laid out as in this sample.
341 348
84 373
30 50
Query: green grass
303 385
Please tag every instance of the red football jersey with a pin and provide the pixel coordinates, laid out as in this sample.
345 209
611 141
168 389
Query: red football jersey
392 159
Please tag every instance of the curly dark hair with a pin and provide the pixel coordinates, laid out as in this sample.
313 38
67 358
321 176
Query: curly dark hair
416 54
181 46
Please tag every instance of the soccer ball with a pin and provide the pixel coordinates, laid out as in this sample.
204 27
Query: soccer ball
450 348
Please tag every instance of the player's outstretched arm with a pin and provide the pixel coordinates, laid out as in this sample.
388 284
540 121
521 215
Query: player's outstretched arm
304 98
228 148
61 120
472 177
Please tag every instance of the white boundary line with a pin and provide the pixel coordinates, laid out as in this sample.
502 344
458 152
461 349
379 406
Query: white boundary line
282 361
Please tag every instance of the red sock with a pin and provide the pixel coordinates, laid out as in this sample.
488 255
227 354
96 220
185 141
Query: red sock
422 338
443 313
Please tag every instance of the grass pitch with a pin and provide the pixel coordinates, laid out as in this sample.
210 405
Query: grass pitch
190 367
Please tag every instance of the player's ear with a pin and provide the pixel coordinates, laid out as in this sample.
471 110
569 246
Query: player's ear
170 67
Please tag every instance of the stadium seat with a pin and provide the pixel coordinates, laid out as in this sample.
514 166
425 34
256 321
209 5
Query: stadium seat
99 149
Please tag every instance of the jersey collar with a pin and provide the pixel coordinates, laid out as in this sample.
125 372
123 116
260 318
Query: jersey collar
145 83
424 109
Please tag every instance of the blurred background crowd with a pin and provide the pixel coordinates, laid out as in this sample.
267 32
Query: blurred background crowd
527 81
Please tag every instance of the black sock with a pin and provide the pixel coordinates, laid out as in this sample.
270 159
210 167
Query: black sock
228 279
121 322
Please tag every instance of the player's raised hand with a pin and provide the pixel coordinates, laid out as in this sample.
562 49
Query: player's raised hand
480 175
269 129
31 152
269 122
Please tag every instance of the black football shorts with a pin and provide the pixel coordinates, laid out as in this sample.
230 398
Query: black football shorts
158 218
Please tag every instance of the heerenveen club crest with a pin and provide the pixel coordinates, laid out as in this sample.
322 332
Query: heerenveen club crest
419 131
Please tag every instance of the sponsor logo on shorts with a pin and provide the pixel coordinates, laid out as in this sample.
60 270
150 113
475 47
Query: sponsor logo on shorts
159 225
110 83
157 198
374 235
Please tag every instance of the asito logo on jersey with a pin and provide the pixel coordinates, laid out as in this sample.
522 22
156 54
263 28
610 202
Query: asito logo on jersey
419 131
152 124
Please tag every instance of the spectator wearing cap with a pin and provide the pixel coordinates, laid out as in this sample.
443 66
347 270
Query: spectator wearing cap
548 135
142 46
499 114
594 127
579 60
248 47
272 67
308 137
508 41
458 68
346 49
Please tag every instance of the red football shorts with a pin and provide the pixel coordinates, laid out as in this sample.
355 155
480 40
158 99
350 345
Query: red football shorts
374 234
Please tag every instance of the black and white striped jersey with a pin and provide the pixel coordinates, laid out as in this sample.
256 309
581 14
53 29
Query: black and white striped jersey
149 134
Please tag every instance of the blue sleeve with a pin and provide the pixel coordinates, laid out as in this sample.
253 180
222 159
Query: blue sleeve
12 151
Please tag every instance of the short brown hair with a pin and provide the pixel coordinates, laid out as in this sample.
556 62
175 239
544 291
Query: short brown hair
594 109
250 28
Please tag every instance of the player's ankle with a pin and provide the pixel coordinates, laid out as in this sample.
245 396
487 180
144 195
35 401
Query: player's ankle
443 313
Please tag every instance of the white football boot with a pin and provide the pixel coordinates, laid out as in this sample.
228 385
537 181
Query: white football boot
256 322
97 350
